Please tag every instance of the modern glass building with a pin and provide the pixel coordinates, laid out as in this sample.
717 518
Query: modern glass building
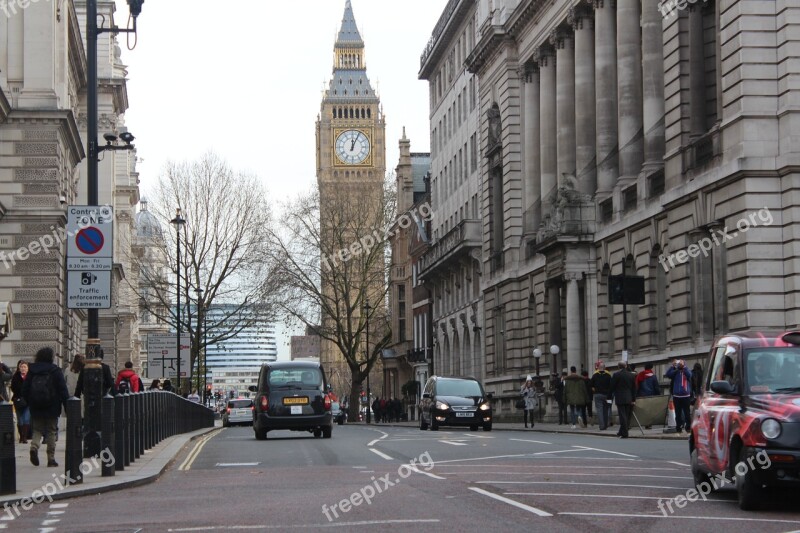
233 364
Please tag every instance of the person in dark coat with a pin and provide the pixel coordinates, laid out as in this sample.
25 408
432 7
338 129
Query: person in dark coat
623 390
559 394
44 411
20 407
576 397
108 380
601 387
697 381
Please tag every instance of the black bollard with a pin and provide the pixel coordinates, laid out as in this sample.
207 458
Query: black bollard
119 433
74 446
142 414
107 454
93 391
8 464
135 431
129 414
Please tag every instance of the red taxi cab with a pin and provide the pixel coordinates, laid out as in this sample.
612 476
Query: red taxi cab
746 426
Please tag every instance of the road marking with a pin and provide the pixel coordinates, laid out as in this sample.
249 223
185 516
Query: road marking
237 464
679 464
314 526
51 521
554 451
357 467
453 442
187 464
576 484
599 496
528 440
55 513
509 501
582 467
686 517
606 451
418 471
538 473
381 454
482 458
58 505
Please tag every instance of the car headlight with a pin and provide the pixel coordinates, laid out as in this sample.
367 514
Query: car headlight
771 428
442 406
485 406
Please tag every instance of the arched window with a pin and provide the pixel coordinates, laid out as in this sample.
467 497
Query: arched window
363 114
369 113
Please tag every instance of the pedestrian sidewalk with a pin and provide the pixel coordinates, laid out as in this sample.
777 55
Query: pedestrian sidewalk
37 482
657 432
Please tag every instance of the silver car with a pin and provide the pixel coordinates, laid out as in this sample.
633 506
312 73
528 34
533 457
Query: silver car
239 411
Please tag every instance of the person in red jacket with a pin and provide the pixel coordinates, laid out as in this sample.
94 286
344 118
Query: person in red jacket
127 374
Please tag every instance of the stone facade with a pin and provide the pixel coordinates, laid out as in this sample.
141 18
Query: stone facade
618 140
452 268
43 75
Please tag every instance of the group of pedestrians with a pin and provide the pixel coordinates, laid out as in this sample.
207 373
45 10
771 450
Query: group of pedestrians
387 410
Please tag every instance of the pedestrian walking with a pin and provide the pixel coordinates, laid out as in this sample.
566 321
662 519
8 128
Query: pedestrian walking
128 380
194 397
528 393
107 379
45 391
576 397
589 395
168 386
623 391
20 406
155 385
681 393
601 389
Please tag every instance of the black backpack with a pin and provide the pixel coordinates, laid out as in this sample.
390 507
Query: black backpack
124 386
42 390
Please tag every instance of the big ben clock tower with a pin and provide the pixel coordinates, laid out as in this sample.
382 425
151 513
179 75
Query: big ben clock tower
351 165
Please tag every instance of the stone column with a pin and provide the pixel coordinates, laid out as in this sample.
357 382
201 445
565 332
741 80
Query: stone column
39 56
605 49
696 72
574 321
547 121
591 318
629 87
562 39
653 85
585 163
533 171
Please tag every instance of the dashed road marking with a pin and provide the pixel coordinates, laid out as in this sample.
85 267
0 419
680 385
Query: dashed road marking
734 518
509 501
381 454
454 443
534 441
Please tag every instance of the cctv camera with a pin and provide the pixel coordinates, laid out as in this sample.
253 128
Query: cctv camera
62 199
110 137
127 137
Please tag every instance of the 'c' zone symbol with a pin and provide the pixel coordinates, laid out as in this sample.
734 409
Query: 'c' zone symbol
89 240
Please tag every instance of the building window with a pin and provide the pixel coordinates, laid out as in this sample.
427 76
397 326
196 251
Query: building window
472 98
629 199
401 313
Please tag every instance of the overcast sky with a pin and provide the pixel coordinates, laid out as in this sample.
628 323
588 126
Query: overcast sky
244 78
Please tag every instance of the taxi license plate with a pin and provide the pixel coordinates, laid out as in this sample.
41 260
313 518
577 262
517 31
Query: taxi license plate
464 414
295 401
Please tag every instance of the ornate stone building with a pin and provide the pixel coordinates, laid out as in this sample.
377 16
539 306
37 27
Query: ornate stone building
409 227
618 140
452 268
43 75
351 166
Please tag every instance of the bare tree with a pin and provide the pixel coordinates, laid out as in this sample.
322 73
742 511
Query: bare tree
223 253
331 252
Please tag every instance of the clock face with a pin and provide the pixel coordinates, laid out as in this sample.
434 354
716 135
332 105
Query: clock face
352 147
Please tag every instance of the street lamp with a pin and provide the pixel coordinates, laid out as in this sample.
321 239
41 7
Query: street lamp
537 354
201 317
178 221
554 349
369 406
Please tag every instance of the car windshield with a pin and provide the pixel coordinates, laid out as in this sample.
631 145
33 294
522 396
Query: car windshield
772 370
240 404
458 387
295 378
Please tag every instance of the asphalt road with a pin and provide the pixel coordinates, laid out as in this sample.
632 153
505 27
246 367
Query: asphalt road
375 478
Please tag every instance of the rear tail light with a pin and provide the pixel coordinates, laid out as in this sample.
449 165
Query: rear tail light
264 403
327 403
229 410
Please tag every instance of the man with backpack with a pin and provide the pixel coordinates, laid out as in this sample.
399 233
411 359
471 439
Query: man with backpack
127 380
108 380
45 391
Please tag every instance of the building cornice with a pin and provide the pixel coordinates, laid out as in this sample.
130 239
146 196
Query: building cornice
67 128
77 54
453 15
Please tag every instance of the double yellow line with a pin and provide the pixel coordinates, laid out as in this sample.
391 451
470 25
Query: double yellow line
187 464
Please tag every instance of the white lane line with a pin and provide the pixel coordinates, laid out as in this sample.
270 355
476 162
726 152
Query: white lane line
453 443
55 513
381 454
418 471
538 473
46 529
51 521
7 517
509 501
237 464
313 526
554 451
582 467
482 458
528 440
357 467
679 464
58 505
619 496
3 526
606 451
686 517
366 471
576 484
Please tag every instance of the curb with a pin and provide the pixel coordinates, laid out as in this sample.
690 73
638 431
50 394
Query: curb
170 450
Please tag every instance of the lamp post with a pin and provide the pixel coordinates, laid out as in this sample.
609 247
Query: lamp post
200 317
537 354
369 398
93 373
178 221
554 349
